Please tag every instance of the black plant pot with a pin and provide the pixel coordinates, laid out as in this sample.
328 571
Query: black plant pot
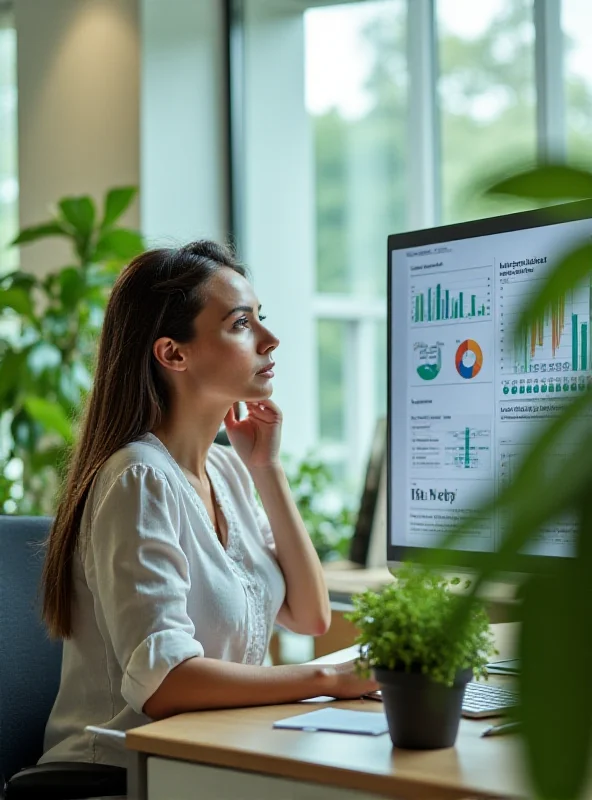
421 714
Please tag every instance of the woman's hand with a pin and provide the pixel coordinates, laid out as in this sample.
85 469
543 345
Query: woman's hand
346 684
256 438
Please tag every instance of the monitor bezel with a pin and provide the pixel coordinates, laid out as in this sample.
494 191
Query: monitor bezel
558 214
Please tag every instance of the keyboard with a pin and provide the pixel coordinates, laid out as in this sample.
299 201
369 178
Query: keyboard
485 700
480 700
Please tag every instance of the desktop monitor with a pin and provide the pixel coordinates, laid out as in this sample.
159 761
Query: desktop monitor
465 397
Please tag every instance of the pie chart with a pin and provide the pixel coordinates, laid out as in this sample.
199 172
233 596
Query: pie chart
468 359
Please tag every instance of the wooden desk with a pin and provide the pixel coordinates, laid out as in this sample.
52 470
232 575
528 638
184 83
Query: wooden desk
236 754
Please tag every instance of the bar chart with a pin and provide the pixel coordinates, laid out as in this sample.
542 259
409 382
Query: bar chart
468 448
559 341
453 296
446 442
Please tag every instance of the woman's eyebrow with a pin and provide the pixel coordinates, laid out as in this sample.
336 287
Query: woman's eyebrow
240 308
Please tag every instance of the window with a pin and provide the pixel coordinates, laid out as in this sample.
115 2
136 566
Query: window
577 27
487 96
8 143
356 100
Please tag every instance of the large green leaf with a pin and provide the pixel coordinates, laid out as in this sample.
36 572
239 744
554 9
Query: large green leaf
22 280
80 213
556 653
549 182
11 364
17 299
50 415
121 243
72 286
116 202
35 232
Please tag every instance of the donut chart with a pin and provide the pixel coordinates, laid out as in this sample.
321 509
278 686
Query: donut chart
468 359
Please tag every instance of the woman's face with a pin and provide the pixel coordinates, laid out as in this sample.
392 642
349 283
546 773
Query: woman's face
231 344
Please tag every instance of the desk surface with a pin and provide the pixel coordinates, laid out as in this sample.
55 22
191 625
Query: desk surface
244 739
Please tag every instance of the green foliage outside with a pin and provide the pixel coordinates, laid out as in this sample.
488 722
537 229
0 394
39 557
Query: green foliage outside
330 530
48 333
406 626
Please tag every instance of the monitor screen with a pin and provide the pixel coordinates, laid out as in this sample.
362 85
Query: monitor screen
464 396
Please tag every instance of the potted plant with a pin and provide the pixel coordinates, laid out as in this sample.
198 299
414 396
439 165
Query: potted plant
50 321
408 637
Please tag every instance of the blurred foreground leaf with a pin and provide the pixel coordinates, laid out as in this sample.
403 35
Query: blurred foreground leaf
549 182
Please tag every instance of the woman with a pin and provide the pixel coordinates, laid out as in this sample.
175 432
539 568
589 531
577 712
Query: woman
163 575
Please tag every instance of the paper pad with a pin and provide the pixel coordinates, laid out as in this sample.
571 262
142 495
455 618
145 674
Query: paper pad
337 720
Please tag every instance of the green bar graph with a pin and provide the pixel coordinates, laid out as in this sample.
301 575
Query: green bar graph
584 347
452 294
574 341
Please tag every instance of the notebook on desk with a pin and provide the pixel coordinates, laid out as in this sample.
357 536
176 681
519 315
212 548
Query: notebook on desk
337 720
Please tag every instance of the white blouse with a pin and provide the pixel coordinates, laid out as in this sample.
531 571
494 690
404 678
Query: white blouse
153 586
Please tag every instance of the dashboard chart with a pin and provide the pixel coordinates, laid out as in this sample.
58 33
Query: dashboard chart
467 391
559 341
457 296
469 359
428 359
443 442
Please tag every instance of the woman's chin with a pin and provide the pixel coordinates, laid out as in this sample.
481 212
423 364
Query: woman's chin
261 393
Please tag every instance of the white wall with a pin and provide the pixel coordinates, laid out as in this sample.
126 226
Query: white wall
78 101
184 159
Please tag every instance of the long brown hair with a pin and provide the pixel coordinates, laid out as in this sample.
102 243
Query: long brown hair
158 294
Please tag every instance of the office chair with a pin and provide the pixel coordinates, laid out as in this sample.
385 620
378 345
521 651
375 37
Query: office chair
30 666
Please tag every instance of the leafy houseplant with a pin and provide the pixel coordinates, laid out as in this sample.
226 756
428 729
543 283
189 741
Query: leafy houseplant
405 639
330 531
48 331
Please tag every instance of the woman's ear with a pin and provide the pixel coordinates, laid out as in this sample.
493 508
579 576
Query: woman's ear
168 355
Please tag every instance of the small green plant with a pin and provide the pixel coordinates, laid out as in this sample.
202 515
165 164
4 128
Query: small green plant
49 325
330 529
406 627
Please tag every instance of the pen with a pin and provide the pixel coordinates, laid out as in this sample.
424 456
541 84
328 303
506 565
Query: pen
499 730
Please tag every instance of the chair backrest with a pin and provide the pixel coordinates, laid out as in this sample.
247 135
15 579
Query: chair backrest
29 662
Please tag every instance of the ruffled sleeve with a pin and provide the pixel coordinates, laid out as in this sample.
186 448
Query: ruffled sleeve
140 577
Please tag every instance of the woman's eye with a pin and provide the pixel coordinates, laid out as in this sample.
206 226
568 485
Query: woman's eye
241 322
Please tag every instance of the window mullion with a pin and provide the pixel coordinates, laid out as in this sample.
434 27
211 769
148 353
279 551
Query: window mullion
423 117
551 134
359 385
